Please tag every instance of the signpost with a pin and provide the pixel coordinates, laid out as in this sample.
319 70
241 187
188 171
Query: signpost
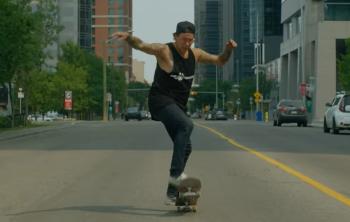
68 100
20 97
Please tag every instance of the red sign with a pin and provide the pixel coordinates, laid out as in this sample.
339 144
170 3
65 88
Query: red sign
68 100
116 107
68 104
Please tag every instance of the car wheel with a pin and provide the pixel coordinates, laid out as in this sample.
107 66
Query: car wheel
325 127
279 122
305 124
126 119
334 128
274 123
299 124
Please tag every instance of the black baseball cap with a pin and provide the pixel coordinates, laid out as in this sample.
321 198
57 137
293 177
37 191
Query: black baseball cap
185 27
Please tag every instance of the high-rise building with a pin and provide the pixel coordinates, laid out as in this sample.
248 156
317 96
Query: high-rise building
209 34
110 16
244 53
265 26
85 25
75 19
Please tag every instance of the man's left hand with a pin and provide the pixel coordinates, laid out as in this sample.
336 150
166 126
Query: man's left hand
231 44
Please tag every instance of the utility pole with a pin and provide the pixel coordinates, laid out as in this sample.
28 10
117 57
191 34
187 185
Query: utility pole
216 88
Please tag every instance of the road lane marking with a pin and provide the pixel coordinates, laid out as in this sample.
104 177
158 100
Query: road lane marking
319 186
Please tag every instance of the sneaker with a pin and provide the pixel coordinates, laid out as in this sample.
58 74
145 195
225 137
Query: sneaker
170 200
175 181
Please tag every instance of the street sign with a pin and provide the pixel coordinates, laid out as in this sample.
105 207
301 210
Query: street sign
20 95
68 100
258 97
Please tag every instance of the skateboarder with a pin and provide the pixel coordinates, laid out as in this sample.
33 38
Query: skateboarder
171 88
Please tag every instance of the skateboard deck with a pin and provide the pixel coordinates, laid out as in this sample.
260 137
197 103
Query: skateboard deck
188 194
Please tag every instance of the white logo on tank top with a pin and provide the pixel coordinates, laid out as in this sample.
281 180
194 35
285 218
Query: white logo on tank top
181 77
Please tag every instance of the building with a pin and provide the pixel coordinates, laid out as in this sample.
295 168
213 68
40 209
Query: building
110 16
209 34
75 18
138 68
244 53
85 24
312 34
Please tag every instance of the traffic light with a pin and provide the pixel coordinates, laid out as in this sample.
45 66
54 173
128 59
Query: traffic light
193 93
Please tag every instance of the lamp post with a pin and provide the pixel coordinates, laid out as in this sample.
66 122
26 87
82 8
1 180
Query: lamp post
216 87
104 79
104 84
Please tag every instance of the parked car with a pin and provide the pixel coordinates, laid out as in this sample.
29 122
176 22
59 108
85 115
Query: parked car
196 115
337 116
216 115
133 113
290 111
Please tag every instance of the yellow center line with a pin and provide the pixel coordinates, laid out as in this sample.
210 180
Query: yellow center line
319 186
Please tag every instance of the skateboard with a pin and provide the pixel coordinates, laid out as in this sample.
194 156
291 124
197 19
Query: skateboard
188 194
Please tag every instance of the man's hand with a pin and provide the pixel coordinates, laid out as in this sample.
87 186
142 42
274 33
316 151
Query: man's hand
231 44
121 35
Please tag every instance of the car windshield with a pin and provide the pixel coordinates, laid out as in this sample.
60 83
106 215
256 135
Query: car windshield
132 109
292 103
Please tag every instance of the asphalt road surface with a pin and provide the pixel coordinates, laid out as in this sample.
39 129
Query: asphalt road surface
118 171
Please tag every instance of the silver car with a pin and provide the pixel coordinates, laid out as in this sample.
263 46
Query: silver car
337 116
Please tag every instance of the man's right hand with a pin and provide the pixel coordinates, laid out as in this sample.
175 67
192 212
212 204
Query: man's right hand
121 35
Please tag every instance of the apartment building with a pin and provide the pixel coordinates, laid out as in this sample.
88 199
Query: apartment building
109 16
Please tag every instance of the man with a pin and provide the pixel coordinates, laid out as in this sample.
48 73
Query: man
171 88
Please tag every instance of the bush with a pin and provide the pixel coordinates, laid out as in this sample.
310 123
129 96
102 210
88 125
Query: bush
5 122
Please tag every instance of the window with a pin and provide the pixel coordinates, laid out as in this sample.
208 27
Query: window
337 10
120 55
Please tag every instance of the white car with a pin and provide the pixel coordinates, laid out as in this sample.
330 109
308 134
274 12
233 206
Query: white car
337 116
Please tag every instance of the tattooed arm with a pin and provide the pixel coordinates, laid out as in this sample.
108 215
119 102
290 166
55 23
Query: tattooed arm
204 57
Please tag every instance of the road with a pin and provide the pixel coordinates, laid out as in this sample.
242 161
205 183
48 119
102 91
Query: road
118 171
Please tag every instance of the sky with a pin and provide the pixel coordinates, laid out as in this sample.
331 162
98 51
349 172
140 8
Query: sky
154 21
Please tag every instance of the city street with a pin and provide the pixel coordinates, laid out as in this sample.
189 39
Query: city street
118 171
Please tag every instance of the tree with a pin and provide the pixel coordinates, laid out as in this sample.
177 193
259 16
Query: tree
24 34
93 65
344 68
140 96
204 99
70 78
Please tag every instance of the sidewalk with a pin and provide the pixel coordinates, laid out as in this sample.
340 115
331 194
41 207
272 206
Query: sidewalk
23 132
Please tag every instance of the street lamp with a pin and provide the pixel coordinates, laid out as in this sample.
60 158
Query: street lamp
216 87
104 79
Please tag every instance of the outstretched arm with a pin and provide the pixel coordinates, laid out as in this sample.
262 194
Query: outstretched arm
136 43
204 57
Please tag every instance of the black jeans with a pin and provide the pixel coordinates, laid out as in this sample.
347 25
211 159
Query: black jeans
179 127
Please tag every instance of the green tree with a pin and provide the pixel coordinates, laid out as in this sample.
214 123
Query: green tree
24 34
203 99
138 97
93 66
116 84
40 88
71 78
344 68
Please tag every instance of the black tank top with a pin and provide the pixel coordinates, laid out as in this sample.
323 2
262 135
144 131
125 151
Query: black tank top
174 87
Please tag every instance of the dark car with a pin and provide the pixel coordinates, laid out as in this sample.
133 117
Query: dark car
220 115
216 115
290 111
133 113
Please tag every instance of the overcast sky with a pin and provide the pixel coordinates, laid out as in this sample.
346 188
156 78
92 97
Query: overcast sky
155 21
